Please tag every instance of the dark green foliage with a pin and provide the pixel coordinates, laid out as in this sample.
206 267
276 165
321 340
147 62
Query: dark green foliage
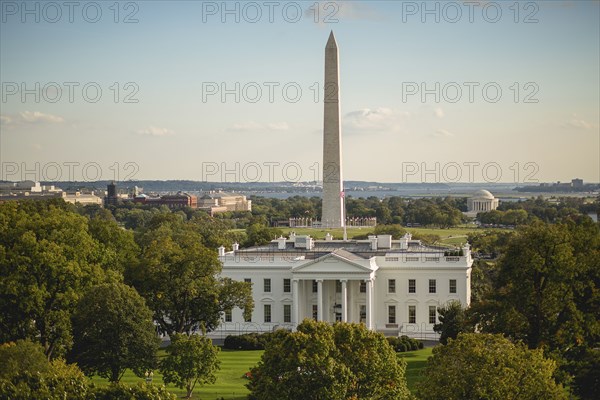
22 356
47 260
58 381
248 341
321 361
113 331
141 391
404 343
190 361
482 366
178 277
453 320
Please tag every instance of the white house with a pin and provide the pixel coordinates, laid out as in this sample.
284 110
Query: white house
393 286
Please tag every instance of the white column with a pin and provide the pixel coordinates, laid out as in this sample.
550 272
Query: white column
344 301
369 305
296 302
319 299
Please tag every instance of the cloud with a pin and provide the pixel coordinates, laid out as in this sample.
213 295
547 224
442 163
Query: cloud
155 131
443 133
578 123
253 126
438 112
30 117
376 120
5 120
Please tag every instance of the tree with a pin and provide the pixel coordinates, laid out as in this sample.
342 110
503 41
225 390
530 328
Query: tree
22 356
485 366
375 370
117 245
320 361
190 361
26 373
258 235
141 391
533 298
47 260
61 381
113 331
453 320
178 277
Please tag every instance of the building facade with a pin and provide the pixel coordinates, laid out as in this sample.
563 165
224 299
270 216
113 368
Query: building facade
481 201
392 286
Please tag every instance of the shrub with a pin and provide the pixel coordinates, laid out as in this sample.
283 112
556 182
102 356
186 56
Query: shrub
141 391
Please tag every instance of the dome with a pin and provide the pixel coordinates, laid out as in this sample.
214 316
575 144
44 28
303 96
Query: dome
482 194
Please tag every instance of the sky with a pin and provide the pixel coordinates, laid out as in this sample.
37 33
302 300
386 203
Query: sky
233 91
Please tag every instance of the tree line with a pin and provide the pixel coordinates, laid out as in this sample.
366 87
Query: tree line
89 291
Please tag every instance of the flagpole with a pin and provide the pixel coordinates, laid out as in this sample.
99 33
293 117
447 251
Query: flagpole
344 211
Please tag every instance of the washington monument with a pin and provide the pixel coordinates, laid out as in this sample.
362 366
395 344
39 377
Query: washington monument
333 184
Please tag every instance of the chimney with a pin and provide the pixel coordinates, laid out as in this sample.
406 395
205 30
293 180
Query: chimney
373 241
221 251
404 241
281 243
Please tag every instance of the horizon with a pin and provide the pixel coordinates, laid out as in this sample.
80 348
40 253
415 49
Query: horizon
215 91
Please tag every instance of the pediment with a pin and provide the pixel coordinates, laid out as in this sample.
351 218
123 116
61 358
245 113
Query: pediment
337 263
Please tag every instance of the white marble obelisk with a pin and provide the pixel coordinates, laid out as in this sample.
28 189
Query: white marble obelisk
333 184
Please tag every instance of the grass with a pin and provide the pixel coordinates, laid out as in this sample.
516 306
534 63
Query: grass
452 236
416 362
234 364
230 382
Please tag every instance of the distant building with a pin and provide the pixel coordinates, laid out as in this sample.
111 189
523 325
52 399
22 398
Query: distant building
172 201
82 198
577 183
111 199
216 202
481 201
28 190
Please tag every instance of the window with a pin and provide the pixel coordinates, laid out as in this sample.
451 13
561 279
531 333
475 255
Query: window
363 287
267 309
247 280
412 286
412 314
267 285
392 314
432 314
315 286
432 286
287 285
452 285
287 313
363 313
338 286
227 315
391 286
315 312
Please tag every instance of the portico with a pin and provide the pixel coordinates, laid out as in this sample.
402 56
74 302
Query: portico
329 288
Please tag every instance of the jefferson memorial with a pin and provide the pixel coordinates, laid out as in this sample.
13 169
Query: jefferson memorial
481 201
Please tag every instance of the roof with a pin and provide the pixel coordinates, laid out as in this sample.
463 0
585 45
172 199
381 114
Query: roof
482 194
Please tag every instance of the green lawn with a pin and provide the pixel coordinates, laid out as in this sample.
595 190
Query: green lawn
452 236
230 378
234 364
416 362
